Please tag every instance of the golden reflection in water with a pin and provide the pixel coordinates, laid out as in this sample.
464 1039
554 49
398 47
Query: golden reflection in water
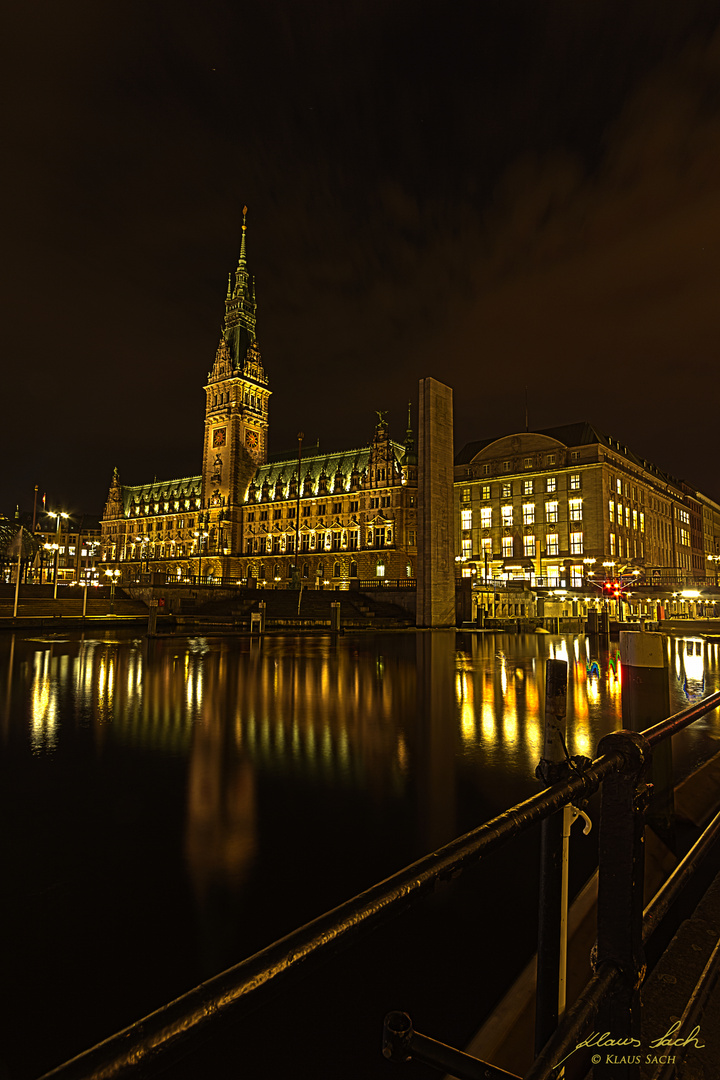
500 706
43 705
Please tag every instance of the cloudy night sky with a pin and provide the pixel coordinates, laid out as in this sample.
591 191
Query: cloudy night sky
497 194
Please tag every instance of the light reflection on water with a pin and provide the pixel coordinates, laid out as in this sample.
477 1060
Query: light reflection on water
245 769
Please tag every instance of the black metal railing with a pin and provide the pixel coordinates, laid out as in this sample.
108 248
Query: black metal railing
367 584
147 1046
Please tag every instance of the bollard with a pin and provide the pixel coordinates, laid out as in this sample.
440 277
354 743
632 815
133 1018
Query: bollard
262 606
551 769
152 619
592 623
645 702
335 617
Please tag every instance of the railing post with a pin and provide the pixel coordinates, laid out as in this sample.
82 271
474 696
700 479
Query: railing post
620 901
552 768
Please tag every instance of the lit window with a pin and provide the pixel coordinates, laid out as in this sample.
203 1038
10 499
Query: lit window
529 547
550 460
467 548
485 517
611 510
642 522
466 494
486 491
507 547
528 487
612 543
380 570
576 543
627 517
466 519
635 519
507 491
527 462
551 511
507 516
618 486
575 481
528 513
552 574
576 576
575 509
550 483
552 542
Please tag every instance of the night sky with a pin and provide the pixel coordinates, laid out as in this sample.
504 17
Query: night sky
497 194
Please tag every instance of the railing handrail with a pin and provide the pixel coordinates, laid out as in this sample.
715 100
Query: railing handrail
239 987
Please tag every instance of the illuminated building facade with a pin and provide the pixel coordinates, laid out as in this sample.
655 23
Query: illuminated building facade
552 507
342 516
78 546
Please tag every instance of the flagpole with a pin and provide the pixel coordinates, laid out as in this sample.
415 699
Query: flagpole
17 576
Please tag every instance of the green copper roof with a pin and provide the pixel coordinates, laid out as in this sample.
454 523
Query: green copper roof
343 461
189 487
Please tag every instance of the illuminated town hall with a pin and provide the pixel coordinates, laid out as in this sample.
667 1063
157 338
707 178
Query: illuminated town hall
320 518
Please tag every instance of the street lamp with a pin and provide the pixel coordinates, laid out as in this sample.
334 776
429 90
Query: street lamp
715 559
113 575
201 535
57 515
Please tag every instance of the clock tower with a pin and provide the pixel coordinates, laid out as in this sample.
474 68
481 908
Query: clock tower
236 413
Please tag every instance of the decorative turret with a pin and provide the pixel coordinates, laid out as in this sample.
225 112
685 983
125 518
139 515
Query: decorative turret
114 504
409 457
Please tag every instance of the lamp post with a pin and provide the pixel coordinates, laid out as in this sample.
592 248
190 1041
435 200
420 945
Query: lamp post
113 575
301 436
57 515
201 535
715 559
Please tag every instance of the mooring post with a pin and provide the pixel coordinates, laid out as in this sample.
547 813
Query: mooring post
551 769
335 617
152 619
645 702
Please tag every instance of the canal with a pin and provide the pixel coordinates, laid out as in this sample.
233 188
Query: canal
170 807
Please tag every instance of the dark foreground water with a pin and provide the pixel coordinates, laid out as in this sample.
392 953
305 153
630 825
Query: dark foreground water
170 808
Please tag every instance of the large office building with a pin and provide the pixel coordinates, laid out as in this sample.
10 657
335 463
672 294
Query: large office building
321 518
569 506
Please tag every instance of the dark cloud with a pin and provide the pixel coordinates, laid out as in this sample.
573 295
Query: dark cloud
497 195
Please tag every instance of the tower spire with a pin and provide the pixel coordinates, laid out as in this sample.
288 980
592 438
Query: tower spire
241 260
240 306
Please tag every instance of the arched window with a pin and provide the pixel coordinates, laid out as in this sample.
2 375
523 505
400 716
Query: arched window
336 570
353 569
305 570
261 571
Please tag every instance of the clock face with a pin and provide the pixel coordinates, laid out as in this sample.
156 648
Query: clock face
219 437
251 440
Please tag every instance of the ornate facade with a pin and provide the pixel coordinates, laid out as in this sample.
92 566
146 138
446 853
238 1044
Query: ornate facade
317 518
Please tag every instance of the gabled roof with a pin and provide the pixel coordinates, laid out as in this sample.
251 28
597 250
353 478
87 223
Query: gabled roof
343 461
188 487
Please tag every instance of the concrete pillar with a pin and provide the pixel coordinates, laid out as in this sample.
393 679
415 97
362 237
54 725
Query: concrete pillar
436 556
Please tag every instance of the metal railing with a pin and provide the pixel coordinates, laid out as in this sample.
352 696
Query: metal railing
368 584
149 1045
